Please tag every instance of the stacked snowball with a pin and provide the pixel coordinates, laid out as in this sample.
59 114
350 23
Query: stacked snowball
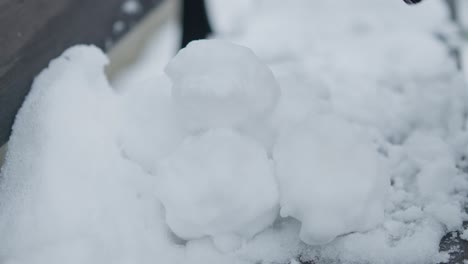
220 182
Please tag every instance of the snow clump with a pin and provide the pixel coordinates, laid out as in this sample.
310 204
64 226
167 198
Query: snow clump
331 178
219 184
219 84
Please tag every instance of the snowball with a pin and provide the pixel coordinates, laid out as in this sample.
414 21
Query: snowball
219 84
331 178
218 184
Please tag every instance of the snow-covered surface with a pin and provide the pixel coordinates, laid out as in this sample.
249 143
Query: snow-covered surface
68 194
363 145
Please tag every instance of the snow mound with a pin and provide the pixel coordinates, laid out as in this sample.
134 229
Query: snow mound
365 125
331 178
67 194
149 128
219 84
218 184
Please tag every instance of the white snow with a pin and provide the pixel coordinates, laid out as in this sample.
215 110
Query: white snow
347 117
331 178
464 235
149 130
229 17
219 84
218 184
68 195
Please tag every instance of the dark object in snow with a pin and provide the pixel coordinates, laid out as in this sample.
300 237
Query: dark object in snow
195 24
455 246
33 32
412 2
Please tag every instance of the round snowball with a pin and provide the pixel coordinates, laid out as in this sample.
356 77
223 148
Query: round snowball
331 178
220 84
219 184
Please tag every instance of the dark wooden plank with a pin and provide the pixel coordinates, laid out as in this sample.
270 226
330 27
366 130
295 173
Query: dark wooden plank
32 32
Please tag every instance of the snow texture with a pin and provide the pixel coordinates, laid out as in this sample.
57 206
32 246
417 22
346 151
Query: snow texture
330 191
68 195
349 117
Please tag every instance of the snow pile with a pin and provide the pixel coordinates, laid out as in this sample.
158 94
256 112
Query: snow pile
68 195
209 185
218 184
360 144
380 66
90 194
331 191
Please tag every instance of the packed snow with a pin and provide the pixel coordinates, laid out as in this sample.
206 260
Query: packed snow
330 191
225 87
218 184
312 132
